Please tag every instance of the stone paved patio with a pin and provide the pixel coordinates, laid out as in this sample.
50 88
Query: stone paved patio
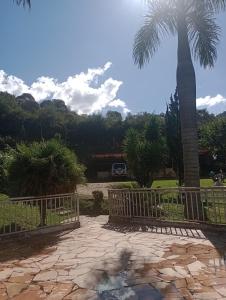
98 261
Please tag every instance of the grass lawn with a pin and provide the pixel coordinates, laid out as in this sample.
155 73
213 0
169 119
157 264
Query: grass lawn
3 197
14 217
17 217
161 183
173 183
173 210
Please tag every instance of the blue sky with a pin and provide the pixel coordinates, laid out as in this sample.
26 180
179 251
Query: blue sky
59 39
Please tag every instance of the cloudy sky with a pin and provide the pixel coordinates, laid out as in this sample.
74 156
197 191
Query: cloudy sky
81 51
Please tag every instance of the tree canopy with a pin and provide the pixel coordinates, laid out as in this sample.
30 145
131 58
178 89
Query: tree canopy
92 134
145 151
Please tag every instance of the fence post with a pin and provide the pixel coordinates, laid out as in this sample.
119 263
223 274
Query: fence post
110 203
76 199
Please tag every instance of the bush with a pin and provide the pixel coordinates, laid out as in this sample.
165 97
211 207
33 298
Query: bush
3 197
126 185
5 159
88 206
44 168
98 199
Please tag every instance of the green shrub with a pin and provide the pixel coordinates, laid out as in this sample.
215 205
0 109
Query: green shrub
5 159
126 185
88 207
3 197
44 168
98 199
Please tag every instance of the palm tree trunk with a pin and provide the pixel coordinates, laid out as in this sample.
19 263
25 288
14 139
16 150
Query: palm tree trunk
186 84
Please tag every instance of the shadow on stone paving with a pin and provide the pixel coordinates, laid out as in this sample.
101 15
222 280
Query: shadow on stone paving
130 280
176 231
25 247
218 240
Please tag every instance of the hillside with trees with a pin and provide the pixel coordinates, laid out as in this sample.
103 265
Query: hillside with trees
23 120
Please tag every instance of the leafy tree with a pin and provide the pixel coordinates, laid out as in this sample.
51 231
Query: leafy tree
153 129
213 138
204 117
11 116
173 136
194 23
145 153
5 159
113 118
27 102
60 105
7 143
22 119
137 121
115 131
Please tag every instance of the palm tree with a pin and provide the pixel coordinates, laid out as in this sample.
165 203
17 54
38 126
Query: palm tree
23 2
45 168
194 24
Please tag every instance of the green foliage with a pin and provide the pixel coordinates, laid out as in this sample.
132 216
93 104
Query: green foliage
88 135
126 185
195 25
113 119
16 217
145 152
204 117
3 197
213 138
173 135
87 206
137 121
163 18
153 129
24 120
98 199
5 160
174 183
44 168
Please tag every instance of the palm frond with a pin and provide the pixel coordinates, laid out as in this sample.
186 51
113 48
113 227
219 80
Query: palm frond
214 5
204 35
24 3
159 22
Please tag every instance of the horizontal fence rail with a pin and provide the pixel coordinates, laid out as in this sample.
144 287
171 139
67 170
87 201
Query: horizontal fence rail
30 213
193 205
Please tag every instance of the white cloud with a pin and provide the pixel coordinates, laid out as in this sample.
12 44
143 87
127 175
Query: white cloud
119 103
214 105
81 92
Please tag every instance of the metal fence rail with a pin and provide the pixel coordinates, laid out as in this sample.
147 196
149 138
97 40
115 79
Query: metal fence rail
193 205
30 213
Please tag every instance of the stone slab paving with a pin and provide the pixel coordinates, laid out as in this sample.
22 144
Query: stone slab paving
98 262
